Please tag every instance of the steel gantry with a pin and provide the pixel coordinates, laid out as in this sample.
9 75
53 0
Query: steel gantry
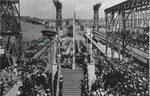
10 28
127 24
57 42
58 6
96 17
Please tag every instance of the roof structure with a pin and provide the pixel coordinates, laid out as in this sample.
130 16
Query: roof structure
129 5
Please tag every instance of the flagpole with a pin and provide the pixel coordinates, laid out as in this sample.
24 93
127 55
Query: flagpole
91 47
73 65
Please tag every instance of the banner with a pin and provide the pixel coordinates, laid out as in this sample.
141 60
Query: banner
61 32
88 32
2 51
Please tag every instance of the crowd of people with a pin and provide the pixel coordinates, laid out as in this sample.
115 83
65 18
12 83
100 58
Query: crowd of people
138 38
34 80
66 61
8 77
31 78
84 82
82 58
117 77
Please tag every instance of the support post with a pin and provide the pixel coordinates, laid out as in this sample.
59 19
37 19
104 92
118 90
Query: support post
58 6
112 35
106 20
51 66
50 34
73 65
91 47
123 33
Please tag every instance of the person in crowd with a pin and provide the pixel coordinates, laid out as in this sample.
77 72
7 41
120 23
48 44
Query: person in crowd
33 79
118 78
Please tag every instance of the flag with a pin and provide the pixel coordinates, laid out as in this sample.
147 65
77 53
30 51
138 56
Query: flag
76 27
70 39
61 32
77 23
60 41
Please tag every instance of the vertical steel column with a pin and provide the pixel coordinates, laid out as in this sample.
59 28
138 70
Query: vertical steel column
51 66
73 64
91 47
106 20
96 16
123 31
138 14
112 35
119 38
58 6
134 17
50 35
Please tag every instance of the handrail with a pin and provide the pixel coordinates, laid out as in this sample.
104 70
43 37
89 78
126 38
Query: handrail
59 73
136 55
58 79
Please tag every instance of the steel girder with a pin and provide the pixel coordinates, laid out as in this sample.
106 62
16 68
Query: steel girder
10 28
129 5
96 17
128 24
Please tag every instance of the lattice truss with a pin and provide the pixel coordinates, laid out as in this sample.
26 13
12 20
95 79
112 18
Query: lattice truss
128 24
10 28
58 6
96 16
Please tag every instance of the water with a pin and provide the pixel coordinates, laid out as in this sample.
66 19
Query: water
31 31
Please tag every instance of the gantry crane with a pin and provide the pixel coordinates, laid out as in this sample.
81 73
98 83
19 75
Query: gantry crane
58 6
96 17
127 25
10 28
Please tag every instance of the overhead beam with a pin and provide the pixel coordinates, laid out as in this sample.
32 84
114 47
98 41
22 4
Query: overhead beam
131 24
129 5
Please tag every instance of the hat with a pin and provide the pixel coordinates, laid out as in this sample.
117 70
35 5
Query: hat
147 92
21 84
61 76
138 94
47 89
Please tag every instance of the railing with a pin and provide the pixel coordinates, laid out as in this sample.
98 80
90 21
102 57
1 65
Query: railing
58 82
84 84
9 80
58 90
138 54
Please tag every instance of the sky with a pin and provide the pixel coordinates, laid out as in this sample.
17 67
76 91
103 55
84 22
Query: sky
45 9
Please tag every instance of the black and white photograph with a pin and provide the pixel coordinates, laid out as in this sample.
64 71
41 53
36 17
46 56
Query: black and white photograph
74 47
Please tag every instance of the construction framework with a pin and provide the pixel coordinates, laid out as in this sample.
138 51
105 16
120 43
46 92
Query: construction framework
10 29
96 17
127 25
58 6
